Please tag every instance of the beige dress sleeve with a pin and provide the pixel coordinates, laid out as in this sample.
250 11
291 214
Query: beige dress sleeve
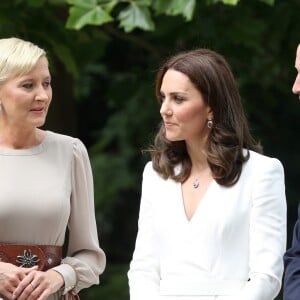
85 259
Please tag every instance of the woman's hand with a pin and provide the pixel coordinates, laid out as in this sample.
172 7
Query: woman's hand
38 285
10 277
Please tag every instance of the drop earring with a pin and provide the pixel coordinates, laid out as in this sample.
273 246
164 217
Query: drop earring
210 123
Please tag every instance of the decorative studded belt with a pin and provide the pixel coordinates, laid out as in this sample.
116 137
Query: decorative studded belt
27 256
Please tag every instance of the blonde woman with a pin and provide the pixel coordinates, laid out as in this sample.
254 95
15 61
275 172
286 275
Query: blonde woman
46 187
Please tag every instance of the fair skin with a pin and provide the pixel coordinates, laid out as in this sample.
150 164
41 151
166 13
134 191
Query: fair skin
296 86
24 105
25 101
185 117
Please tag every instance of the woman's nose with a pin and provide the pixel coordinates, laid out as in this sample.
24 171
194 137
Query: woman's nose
165 108
42 94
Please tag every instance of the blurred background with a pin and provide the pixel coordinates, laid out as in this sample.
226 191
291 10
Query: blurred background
104 55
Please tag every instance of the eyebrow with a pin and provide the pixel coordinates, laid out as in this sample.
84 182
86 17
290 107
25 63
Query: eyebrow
175 93
28 77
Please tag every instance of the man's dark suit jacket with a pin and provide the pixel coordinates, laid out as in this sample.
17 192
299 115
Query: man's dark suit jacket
291 283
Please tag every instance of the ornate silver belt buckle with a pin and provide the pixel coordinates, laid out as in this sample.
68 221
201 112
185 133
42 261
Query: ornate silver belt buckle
27 260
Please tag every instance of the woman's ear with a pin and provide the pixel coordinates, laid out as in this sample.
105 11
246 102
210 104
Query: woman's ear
210 114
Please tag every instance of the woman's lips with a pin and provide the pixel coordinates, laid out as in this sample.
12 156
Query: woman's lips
169 124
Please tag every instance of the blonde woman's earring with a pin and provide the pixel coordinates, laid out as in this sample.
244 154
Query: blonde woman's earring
210 123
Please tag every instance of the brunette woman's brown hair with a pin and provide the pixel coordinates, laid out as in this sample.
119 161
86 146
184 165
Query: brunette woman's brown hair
229 140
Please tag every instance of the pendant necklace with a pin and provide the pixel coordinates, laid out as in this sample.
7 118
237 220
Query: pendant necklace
196 183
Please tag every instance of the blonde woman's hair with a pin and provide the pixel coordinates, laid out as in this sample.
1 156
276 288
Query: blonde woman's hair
17 57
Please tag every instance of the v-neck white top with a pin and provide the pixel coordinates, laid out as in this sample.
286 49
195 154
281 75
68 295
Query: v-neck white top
44 190
231 248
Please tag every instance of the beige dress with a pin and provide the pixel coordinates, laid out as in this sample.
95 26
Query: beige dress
44 190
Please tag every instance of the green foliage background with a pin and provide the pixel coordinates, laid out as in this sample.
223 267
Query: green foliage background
104 55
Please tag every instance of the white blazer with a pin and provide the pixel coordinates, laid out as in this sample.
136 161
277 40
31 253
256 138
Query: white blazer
232 248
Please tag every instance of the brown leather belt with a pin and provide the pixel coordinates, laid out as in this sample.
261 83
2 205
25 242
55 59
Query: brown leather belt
27 256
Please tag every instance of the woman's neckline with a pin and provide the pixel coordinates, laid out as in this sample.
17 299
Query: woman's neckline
28 151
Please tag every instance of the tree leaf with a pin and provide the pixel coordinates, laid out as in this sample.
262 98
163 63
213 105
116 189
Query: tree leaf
176 7
135 16
230 2
188 10
83 3
108 6
79 17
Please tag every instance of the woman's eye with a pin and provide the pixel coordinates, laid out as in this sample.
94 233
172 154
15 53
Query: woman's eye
47 84
178 99
27 85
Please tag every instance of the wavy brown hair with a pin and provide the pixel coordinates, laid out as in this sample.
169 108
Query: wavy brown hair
229 140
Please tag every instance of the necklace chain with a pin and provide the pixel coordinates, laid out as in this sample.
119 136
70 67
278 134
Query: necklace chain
196 183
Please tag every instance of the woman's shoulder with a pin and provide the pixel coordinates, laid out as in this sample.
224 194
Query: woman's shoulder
262 161
150 173
148 169
59 137
62 138
65 142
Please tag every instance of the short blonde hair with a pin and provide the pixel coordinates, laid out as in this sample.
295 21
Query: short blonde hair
17 57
